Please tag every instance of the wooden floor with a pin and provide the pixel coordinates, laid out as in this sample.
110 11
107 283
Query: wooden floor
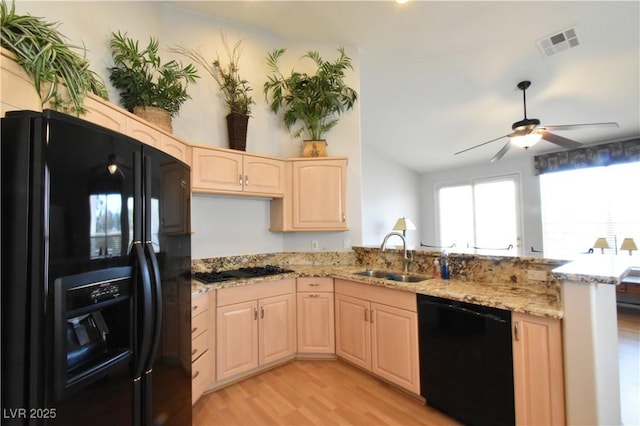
629 359
314 393
335 393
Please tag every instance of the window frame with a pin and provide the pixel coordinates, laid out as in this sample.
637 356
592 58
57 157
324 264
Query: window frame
516 177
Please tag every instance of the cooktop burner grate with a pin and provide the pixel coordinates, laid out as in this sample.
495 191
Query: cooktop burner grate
249 272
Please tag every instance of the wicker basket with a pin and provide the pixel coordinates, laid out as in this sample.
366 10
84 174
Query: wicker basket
154 115
237 129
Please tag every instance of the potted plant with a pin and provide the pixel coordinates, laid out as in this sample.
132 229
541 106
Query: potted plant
60 75
149 88
235 90
313 100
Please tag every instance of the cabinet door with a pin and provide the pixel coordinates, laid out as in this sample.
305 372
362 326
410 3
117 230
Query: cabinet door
215 171
538 370
319 194
175 209
143 132
353 332
105 114
237 339
17 91
263 175
316 331
175 148
394 342
276 328
200 374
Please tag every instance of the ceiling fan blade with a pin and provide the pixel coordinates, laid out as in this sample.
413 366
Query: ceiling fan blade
482 144
580 126
501 153
560 141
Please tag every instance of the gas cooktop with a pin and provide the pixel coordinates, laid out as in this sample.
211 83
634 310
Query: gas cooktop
251 272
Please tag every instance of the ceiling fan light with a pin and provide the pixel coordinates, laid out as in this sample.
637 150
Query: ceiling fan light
526 141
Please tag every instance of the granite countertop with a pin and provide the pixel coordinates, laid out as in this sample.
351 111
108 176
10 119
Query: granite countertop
499 295
601 269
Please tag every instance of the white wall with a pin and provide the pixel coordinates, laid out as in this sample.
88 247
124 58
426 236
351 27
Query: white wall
222 226
389 191
521 163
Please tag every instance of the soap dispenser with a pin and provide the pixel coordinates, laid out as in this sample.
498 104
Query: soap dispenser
444 266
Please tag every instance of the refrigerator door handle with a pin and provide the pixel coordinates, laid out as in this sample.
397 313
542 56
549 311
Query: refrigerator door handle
145 318
156 288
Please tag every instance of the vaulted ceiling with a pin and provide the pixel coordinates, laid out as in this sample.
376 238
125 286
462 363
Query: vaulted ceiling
439 77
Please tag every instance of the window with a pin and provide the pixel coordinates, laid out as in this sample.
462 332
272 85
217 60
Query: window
581 205
106 225
480 214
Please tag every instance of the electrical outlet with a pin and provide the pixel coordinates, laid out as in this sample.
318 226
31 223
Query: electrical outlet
314 244
536 275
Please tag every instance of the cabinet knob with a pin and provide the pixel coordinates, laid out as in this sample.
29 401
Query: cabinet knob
314 285
314 295
515 332
193 352
239 180
246 180
344 217
195 375
193 330
183 183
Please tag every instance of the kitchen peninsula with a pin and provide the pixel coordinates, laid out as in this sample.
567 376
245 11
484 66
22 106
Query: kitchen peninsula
590 335
577 297
501 282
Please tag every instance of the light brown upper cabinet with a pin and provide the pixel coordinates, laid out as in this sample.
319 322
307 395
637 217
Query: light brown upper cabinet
219 171
16 88
315 196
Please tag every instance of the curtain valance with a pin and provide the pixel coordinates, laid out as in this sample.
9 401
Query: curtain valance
589 156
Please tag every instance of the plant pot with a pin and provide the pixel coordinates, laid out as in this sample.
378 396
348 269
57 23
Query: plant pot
237 129
154 115
315 148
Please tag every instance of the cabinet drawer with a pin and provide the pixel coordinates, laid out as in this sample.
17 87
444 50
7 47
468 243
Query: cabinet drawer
198 325
245 293
199 305
386 296
200 373
198 346
315 285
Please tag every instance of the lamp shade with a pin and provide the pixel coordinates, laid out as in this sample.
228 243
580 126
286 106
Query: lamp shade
628 244
526 141
404 224
601 243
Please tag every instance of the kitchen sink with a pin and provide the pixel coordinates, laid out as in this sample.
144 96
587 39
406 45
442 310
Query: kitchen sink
393 276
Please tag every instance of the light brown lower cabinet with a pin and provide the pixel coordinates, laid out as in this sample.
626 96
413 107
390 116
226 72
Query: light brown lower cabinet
538 370
377 329
196 353
255 326
315 316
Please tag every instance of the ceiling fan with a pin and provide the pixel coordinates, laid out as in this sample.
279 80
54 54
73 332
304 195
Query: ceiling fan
526 131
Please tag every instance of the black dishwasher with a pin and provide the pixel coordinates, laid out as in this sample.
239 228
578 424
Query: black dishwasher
466 362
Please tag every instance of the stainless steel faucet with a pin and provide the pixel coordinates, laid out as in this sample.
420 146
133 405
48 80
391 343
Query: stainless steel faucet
407 258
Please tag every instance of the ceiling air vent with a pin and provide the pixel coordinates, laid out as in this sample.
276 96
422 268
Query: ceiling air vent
558 42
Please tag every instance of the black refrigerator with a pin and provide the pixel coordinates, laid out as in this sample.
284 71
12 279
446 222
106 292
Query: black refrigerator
96 251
